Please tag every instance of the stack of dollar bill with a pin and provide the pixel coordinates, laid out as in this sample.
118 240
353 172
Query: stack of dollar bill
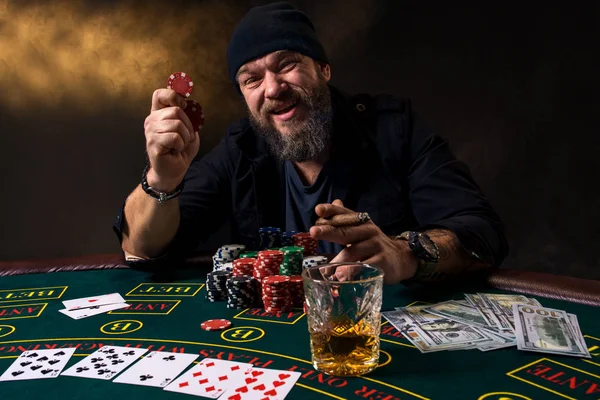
487 321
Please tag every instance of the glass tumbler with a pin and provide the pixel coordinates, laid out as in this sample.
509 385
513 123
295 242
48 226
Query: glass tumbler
343 307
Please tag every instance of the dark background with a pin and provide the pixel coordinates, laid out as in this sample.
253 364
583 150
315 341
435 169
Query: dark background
513 86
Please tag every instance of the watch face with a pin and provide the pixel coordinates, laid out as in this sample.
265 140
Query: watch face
429 246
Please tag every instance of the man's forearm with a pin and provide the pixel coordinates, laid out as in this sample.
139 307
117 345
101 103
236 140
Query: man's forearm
453 260
148 226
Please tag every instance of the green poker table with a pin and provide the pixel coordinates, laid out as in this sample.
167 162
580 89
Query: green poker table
167 308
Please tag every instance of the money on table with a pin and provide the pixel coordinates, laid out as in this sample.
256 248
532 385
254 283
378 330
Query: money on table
488 321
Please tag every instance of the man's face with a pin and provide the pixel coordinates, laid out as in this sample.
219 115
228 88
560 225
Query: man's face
289 103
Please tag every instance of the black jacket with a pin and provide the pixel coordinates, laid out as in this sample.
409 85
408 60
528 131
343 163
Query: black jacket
404 176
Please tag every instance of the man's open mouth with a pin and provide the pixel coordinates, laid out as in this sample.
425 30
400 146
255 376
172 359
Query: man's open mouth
284 109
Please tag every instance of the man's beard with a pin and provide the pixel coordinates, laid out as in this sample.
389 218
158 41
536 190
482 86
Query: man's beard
306 140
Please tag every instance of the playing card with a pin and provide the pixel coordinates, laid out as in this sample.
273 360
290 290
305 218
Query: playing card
263 384
93 301
157 369
105 363
210 378
38 364
93 310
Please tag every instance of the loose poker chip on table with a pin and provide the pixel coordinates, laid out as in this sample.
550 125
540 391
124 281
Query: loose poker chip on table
181 83
215 324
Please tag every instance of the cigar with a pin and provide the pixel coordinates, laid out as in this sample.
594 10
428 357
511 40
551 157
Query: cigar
340 220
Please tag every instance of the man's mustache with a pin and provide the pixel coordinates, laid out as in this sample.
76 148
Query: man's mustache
276 104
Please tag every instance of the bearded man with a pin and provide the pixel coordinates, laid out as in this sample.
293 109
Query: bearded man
309 158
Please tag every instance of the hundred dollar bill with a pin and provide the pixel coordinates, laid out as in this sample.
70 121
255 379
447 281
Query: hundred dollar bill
486 312
430 332
547 330
502 304
458 312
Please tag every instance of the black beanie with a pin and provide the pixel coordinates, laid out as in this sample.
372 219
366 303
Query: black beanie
265 29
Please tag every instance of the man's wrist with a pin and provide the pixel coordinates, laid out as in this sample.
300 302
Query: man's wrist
408 257
160 184
160 195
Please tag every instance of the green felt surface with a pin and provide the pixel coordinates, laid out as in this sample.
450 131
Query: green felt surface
168 318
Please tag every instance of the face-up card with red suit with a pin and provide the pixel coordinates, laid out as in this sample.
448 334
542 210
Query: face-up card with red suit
210 378
93 301
263 384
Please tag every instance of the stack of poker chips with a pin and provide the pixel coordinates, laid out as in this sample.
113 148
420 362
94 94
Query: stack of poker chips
292 260
276 294
267 264
216 284
287 238
241 292
225 255
243 267
270 237
296 287
304 239
312 261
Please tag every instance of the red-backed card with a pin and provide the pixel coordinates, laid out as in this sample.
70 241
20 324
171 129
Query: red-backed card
263 384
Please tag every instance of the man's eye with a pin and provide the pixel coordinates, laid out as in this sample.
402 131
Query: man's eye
288 65
249 81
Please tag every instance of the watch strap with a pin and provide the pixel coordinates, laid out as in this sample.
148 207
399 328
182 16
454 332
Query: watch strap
425 267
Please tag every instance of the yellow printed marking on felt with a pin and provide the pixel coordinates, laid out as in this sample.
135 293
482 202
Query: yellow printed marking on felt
594 351
242 334
6 330
389 360
320 391
543 387
272 321
503 396
121 327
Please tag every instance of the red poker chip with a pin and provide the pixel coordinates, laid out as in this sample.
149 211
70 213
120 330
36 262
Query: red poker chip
215 324
276 298
194 112
277 280
181 83
244 261
273 310
280 300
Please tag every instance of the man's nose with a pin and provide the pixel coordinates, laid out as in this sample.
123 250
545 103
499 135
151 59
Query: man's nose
274 85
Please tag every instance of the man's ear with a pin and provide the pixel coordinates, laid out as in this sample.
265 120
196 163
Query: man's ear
324 69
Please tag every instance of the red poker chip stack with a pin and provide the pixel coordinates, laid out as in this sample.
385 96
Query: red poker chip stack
267 264
276 294
304 239
243 267
296 290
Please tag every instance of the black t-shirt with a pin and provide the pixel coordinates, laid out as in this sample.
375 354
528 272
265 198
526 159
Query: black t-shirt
301 200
